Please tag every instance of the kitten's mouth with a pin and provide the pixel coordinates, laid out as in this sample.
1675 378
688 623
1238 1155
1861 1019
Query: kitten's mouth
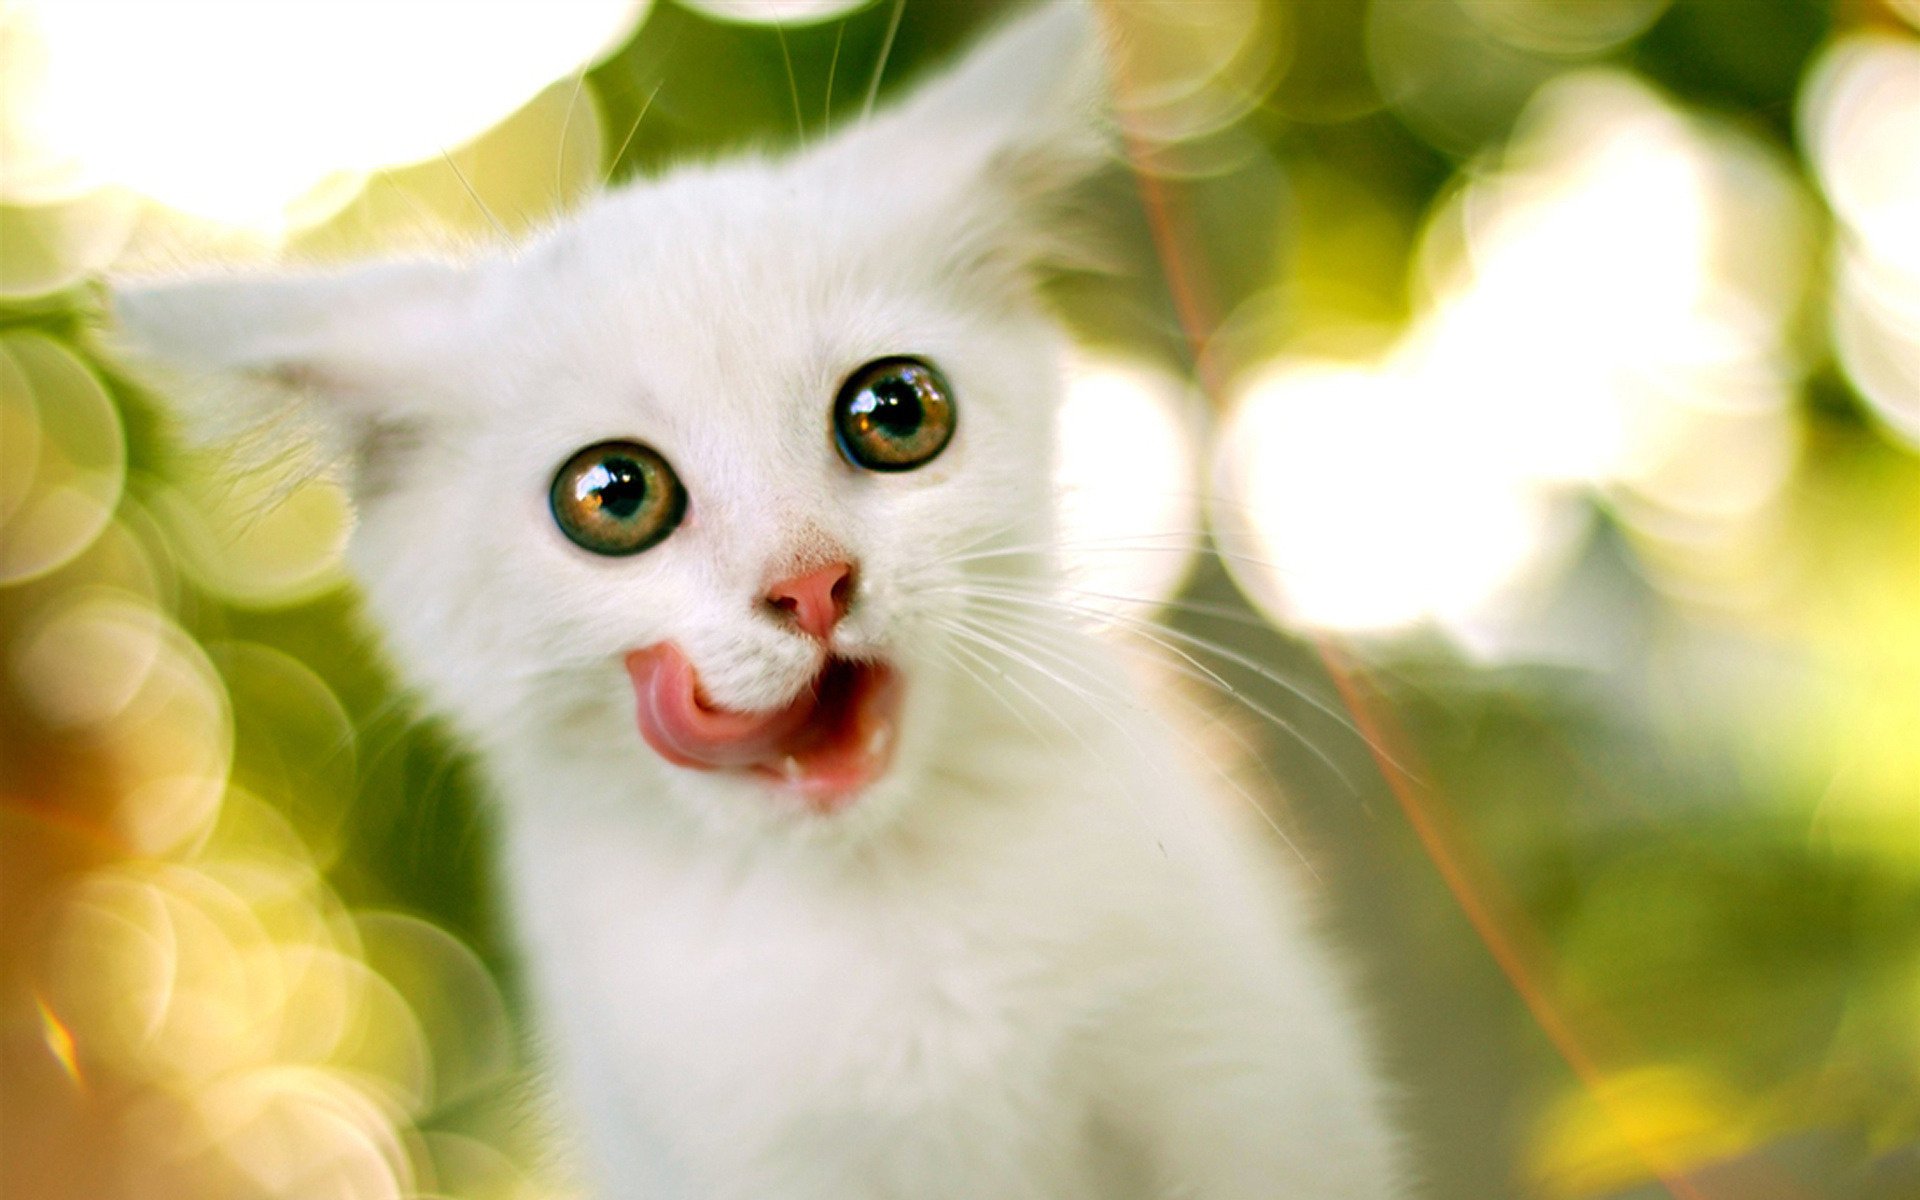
827 744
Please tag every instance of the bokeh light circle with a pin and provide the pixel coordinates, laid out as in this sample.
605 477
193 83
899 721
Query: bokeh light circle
1450 79
1345 500
1860 121
234 111
254 538
55 245
464 1019
776 12
1581 29
84 662
1127 481
1875 318
56 503
1184 70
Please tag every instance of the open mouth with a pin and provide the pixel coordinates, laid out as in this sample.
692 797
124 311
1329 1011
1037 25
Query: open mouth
828 743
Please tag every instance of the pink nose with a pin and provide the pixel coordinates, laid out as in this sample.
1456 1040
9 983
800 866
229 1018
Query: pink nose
816 600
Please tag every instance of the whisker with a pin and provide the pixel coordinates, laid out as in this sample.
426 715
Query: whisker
365 733
1200 608
430 226
1155 631
965 634
1159 634
613 164
980 540
1037 624
1197 543
475 197
566 127
1147 627
793 85
1200 672
1250 621
987 686
833 66
1037 551
886 51
1064 660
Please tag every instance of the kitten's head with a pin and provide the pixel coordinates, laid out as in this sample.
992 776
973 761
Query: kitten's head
683 490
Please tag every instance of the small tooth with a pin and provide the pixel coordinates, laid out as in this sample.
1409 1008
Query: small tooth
791 767
879 740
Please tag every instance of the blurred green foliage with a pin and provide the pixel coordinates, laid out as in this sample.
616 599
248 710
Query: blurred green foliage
1709 850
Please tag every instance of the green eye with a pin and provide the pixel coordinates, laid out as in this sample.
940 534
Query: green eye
617 498
894 414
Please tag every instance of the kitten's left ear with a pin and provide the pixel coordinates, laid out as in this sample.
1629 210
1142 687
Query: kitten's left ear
328 368
1007 133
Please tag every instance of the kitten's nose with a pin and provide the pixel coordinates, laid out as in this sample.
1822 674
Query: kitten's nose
817 599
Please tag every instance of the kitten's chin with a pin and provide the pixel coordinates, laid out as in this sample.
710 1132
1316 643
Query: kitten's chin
825 747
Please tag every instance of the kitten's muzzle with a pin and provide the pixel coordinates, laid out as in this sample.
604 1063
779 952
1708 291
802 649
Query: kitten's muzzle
825 745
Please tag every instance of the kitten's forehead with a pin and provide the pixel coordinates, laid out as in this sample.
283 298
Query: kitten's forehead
728 288
750 243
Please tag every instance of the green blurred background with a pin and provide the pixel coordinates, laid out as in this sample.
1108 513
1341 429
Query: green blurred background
1515 401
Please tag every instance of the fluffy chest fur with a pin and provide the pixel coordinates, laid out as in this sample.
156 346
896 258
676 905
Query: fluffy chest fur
937 1011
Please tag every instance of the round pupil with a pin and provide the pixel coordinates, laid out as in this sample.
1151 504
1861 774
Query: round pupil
893 404
618 484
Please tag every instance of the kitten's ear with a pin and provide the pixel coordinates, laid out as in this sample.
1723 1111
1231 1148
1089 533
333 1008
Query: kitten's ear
327 369
1008 132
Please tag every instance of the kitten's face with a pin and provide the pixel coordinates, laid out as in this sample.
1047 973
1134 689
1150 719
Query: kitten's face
772 633
713 320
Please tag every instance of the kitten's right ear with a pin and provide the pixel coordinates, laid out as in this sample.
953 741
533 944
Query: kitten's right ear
324 368
999 141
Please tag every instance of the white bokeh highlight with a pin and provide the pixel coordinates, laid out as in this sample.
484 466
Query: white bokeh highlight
237 111
1128 483
1591 331
1860 121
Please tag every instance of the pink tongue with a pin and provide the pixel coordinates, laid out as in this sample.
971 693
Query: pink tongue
830 741
689 733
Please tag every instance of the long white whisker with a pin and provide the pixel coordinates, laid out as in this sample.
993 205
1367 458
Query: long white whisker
1154 630
475 197
1198 671
364 732
833 66
1164 635
1203 608
566 127
1193 668
793 85
886 51
1222 612
1038 623
613 164
964 634
1193 543
429 226
1066 661
986 685
962 552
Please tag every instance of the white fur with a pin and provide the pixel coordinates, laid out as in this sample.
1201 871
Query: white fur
1035 960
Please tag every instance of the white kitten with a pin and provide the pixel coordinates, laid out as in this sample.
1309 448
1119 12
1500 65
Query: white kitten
849 914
